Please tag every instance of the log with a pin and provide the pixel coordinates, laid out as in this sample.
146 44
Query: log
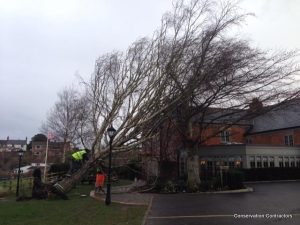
64 186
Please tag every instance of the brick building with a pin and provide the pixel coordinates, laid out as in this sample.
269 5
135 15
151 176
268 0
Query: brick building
11 145
56 150
271 139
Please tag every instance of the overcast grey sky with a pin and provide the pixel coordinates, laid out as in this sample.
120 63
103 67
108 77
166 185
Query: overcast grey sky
44 43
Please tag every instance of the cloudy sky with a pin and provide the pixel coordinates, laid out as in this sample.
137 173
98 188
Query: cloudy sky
45 43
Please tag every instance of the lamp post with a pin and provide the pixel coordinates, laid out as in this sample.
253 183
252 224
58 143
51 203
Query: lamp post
111 134
20 153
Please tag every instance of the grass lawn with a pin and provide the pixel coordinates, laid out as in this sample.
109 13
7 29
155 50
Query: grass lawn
75 211
10 185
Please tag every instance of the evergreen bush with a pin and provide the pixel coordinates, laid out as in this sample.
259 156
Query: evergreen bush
235 179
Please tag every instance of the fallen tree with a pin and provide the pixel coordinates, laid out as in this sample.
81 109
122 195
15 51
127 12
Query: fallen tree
190 61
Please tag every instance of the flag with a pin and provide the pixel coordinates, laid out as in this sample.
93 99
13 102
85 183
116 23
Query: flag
50 135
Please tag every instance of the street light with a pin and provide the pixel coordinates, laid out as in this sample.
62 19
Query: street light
111 134
20 153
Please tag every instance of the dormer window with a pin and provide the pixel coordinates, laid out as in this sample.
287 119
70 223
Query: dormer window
289 140
225 136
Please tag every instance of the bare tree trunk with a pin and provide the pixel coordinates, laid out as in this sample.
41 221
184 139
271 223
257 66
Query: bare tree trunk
193 171
67 184
64 151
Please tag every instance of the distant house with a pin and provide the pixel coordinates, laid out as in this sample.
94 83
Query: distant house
29 168
11 145
56 150
271 139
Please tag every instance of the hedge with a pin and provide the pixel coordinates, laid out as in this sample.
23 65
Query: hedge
275 173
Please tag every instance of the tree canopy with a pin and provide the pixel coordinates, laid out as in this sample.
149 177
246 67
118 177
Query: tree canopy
191 60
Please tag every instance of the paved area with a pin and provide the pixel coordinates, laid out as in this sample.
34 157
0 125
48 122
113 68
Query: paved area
133 198
270 203
126 194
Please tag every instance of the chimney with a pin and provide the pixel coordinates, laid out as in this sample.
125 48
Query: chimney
256 106
7 138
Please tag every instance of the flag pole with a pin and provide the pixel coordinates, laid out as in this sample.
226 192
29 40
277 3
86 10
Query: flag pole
46 158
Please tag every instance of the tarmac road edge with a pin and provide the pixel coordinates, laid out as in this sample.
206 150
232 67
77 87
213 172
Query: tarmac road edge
147 212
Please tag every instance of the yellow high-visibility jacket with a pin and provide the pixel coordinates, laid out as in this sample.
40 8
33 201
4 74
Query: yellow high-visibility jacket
78 156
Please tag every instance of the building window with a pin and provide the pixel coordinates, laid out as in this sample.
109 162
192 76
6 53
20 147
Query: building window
286 162
289 140
231 162
37 147
37 153
231 165
225 136
238 162
265 162
209 164
271 159
280 160
258 162
298 161
252 162
249 141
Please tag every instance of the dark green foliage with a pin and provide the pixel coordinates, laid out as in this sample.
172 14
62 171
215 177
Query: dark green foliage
167 169
235 179
157 183
59 168
170 187
182 184
212 185
130 171
276 173
232 179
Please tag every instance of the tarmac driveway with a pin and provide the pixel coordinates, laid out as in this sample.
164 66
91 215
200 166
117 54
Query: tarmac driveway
270 203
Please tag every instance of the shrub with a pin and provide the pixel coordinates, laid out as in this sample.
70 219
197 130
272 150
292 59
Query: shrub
155 184
235 179
130 171
181 184
170 187
211 185
276 173
205 185
59 168
193 188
